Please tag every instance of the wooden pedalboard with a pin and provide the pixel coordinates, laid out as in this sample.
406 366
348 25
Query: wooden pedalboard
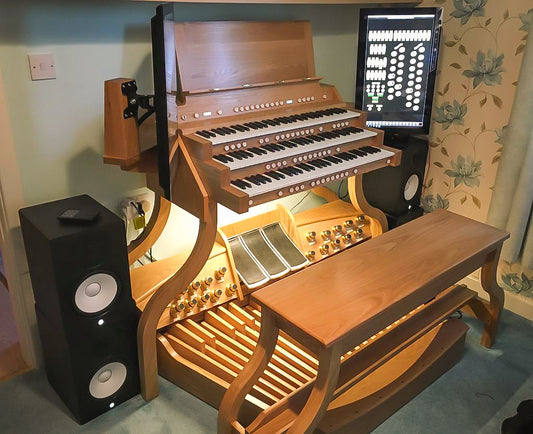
203 349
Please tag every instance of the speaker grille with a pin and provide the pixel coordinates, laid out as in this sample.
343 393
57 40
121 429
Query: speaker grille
96 293
107 380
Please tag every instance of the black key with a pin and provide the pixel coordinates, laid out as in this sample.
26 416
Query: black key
286 171
203 134
266 178
228 130
241 184
357 152
252 180
251 125
257 151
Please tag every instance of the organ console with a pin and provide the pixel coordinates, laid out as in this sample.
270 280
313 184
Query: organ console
250 122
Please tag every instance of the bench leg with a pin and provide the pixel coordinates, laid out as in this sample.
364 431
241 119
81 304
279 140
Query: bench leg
234 397
329 362
496 297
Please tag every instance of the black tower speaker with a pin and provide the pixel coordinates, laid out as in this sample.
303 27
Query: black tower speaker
86 317
396 190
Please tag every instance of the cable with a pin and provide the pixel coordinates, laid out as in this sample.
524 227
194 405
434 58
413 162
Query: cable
300 201
344 196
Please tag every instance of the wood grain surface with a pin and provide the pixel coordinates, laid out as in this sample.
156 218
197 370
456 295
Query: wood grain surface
391 274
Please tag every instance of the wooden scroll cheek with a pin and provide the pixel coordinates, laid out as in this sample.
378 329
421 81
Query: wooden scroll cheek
228 411
206 210
378 221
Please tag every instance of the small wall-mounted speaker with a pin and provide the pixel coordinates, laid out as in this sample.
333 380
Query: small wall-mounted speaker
397 190
86 316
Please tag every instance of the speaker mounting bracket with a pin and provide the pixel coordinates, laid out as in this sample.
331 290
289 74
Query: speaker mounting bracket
135 100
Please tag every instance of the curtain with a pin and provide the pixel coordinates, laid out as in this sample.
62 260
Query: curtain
512 199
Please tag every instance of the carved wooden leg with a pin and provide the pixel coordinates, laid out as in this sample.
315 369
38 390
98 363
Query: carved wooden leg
329 363
147 329
378 220
228 412
496 297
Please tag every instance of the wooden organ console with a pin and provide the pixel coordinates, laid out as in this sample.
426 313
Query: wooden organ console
250 122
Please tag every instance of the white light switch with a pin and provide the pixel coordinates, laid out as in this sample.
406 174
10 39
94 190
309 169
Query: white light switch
42 66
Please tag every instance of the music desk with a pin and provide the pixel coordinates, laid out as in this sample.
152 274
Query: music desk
366 314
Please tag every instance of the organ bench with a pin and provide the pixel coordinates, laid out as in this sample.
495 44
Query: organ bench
415 278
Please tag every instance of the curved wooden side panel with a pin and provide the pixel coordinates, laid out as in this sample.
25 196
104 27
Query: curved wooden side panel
147 329
146 332
378 221
140 245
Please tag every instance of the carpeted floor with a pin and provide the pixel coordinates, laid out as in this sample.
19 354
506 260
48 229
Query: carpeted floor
474 397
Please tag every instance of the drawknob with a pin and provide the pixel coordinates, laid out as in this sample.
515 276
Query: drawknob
324 249
360 219
337 229
193 286
193 301
336 244
220 272
177 306
311 255
230 289
206 282
326 234
215 295
311 236
359 232
348 225
347 239
205 297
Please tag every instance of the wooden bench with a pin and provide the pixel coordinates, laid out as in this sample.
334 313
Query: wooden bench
336 305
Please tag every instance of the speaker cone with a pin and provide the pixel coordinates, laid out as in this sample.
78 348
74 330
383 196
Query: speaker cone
96 293
411 187
107 380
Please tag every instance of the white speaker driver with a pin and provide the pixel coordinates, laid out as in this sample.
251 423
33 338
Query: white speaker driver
411 186
96 293
107 380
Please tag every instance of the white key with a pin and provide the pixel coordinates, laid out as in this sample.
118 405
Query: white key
245 135
289 152
279 184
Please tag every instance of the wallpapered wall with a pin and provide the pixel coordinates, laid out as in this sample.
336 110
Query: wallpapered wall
481 53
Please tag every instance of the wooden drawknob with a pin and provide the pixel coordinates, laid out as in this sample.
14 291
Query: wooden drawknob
230 289
206 282
177 306
193 286
220 272
215 295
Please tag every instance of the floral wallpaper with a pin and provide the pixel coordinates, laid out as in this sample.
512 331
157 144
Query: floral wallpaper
480 58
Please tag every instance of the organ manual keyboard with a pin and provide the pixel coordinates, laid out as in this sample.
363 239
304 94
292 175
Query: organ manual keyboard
248 122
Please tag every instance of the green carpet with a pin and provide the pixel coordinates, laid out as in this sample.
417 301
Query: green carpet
474 396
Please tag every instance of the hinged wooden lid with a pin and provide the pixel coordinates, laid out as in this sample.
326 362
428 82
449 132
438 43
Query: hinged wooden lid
220 55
